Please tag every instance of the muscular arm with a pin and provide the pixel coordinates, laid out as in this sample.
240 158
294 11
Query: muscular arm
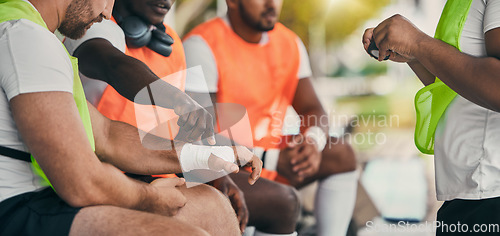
99 59
308 106
118 143
474 78
422 73
51 127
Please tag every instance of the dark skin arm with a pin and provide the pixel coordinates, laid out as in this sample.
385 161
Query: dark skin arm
474 78
307 104
209 104
99 59
300 158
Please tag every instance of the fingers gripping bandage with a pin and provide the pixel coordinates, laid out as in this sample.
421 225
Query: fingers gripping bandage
195 157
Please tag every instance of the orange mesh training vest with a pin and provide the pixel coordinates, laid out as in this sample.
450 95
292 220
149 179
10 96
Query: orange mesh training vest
117 107
261 77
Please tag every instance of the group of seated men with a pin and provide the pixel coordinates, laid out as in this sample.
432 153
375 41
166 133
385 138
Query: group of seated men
63 158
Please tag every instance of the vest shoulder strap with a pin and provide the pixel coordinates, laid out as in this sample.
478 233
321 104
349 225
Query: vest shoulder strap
16 154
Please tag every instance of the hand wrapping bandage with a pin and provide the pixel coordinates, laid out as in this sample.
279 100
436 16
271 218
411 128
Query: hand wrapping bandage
195 157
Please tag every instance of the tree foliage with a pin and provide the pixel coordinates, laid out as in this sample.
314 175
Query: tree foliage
340 17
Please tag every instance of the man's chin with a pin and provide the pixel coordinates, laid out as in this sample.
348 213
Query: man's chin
265 28
73 34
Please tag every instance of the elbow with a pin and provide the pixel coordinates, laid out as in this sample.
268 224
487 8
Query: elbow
86 196
87 191
82 199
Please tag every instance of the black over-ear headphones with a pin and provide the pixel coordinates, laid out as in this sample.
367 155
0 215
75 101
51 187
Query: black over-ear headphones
139 34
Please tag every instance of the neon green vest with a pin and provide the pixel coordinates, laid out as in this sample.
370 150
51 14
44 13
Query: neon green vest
432 101
18 9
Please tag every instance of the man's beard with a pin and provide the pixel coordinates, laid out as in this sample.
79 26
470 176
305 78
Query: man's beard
257 25
73 25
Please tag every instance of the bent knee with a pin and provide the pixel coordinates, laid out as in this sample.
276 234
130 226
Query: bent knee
339 156
213 209
287 202
208 195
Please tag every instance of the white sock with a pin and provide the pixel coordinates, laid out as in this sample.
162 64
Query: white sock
258 233
334 203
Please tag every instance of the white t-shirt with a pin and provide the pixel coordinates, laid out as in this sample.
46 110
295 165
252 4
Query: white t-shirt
199 53
110 31
467 144
32 60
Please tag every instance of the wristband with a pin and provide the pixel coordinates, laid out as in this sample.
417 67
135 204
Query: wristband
195 157
317 134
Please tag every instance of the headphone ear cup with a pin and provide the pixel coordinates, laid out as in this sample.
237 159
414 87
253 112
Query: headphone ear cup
160 47
162 37
137 33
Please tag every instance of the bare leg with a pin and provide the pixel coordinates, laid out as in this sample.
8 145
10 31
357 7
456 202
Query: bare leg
110 220
207 212
210 210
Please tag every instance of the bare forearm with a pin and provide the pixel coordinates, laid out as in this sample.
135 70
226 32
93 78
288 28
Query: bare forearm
308 106
153 155
461 72
119 144
109 186
99 59
57 138
314 117
422 73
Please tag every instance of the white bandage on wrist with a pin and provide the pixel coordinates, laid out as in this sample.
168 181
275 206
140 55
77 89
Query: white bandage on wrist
317 134
195 157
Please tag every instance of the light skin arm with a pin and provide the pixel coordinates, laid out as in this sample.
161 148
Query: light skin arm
474 78
118 143
51 127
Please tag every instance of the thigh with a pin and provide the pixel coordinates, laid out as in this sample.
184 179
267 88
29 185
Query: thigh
267 200
111 220
36 213
208 209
